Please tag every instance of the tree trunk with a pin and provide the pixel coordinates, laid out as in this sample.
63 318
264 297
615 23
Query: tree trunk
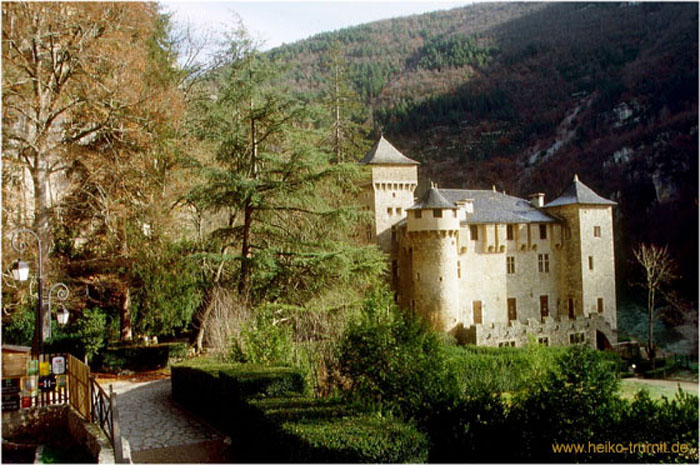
337 115
208 302
125 331
650 342
41 228
244 279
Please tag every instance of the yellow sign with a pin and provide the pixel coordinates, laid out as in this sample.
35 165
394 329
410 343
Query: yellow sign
44 369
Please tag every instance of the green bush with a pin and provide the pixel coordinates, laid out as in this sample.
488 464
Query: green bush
266 342
391 361
249 381
238 399
665 421
90 328
139 358
574 404
357 439
166 291
18 328
500 369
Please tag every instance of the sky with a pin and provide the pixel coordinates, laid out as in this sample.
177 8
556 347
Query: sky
278 22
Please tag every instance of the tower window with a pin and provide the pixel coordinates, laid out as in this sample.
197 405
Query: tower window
418 213
544 340
601 307
399 211
417 276
474 232
437 213
390 211
512 309
544 306
395 269
596 231
510 265
572 312
476 310
543 231
590 262
543 262
510 235
459 269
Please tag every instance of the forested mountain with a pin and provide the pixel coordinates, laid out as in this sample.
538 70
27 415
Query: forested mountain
524 95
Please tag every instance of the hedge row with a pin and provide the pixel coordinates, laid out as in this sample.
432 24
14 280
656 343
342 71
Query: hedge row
139 357
260 406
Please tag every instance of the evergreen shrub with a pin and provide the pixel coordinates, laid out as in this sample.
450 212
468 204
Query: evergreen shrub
140 357
259 406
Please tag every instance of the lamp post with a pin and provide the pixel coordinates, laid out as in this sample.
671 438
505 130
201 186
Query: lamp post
20 272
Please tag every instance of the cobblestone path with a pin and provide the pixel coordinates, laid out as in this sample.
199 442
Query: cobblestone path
159 430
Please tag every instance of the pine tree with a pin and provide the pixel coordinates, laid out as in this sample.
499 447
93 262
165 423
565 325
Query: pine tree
281 198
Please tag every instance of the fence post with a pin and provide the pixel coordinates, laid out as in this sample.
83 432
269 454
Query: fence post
116 430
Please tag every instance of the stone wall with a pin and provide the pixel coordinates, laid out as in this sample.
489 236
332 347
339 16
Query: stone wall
558 331
41 424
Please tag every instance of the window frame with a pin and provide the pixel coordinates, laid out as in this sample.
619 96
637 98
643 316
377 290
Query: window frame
474 232
510 264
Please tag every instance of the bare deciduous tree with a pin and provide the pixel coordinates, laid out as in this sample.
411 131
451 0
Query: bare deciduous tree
659 272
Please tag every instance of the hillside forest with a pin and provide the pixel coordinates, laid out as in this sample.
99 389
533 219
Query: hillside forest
218 202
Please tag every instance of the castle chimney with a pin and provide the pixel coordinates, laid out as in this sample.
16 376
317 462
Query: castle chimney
467 205
537 200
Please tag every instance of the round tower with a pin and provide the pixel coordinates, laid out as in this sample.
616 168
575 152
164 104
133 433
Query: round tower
432 229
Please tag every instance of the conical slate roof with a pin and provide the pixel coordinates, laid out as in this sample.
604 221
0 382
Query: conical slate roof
579 193
383 153
433 199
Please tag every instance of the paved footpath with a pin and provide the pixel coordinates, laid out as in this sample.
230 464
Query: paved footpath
159 430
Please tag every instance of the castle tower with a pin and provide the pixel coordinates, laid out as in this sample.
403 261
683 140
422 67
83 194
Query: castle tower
432 231
389 192
587 280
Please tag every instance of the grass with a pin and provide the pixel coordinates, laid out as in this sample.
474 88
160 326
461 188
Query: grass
630 386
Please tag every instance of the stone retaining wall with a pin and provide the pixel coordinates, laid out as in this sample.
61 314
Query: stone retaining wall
41 423
559 331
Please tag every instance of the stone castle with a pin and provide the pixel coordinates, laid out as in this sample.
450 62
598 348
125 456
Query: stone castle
493 269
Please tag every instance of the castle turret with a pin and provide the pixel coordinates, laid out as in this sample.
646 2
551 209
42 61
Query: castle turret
389 192
432 231
587 280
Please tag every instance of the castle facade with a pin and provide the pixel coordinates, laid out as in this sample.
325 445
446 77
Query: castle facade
490 268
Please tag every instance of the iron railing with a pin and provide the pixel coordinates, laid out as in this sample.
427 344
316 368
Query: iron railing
105 414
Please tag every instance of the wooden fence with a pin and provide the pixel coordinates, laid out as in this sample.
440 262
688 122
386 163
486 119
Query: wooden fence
84 394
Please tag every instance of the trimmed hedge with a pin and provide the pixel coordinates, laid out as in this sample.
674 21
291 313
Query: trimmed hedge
259 406
139 358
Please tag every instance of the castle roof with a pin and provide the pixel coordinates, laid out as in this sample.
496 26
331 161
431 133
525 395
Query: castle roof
383 153
579 193
433 199
496 207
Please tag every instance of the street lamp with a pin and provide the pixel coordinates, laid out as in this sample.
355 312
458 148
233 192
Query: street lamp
20 272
